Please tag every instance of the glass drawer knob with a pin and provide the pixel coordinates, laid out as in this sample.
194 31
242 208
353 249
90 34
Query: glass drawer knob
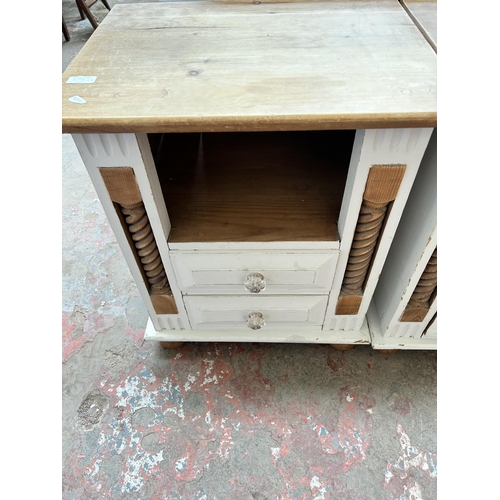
255 283
255 321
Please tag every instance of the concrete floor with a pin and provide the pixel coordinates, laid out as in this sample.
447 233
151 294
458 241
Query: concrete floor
221 421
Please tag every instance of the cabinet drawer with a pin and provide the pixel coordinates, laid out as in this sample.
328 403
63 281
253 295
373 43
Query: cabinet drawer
226 273
290 312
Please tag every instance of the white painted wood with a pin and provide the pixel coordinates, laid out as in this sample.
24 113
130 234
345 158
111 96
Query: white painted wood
108 150
413 245
379 341
225 273
172 322
152 195
342 323
431 332
410 329
422 325
375 147
304 335
293 312
122 150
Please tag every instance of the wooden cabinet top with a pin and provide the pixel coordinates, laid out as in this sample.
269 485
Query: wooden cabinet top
424 13
253 66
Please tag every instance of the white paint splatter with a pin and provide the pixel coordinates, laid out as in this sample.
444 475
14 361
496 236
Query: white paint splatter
410 457
315 482
181 464
136 465
320 488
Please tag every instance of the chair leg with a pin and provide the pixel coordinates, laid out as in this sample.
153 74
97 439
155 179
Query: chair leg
81 4
82 15
106 4
65 31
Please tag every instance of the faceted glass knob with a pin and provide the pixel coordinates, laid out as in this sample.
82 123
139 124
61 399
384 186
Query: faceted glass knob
255 321
255 283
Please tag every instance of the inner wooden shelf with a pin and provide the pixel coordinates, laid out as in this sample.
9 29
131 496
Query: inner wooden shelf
253 186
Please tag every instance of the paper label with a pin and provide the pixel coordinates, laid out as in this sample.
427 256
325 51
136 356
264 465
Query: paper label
77 99
81 79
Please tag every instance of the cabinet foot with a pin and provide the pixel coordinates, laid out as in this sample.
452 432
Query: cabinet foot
387 351
170 345
343 347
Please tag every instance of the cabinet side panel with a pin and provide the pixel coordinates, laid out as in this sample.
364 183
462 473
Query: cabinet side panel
398 154
414 242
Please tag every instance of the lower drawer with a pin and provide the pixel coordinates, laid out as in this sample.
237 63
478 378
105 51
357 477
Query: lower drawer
292 312
215 273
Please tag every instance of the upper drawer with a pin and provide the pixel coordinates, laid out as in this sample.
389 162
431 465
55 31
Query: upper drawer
228 273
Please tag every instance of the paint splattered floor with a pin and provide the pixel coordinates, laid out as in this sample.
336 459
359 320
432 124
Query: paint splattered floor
215 421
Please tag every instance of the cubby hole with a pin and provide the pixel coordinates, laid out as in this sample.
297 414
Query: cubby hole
253 186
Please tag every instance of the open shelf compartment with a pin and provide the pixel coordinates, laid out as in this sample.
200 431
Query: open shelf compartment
253 186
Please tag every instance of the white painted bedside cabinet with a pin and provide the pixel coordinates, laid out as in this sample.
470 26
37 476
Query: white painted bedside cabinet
254 158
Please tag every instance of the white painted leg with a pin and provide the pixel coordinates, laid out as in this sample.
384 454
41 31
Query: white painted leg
122 171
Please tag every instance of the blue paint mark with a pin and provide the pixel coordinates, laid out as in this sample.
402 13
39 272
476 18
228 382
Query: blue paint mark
335 442
145 373
432 461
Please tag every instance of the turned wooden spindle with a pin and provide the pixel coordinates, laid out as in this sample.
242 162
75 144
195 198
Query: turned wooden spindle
381 189
368 228
147 250
422 297
124 192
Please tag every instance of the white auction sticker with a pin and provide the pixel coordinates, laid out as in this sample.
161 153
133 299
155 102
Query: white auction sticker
81 79
77 99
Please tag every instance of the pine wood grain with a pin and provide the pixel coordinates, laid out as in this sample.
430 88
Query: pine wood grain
383 183
164 304
222 66
122 185
424 14
283 186
348 304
